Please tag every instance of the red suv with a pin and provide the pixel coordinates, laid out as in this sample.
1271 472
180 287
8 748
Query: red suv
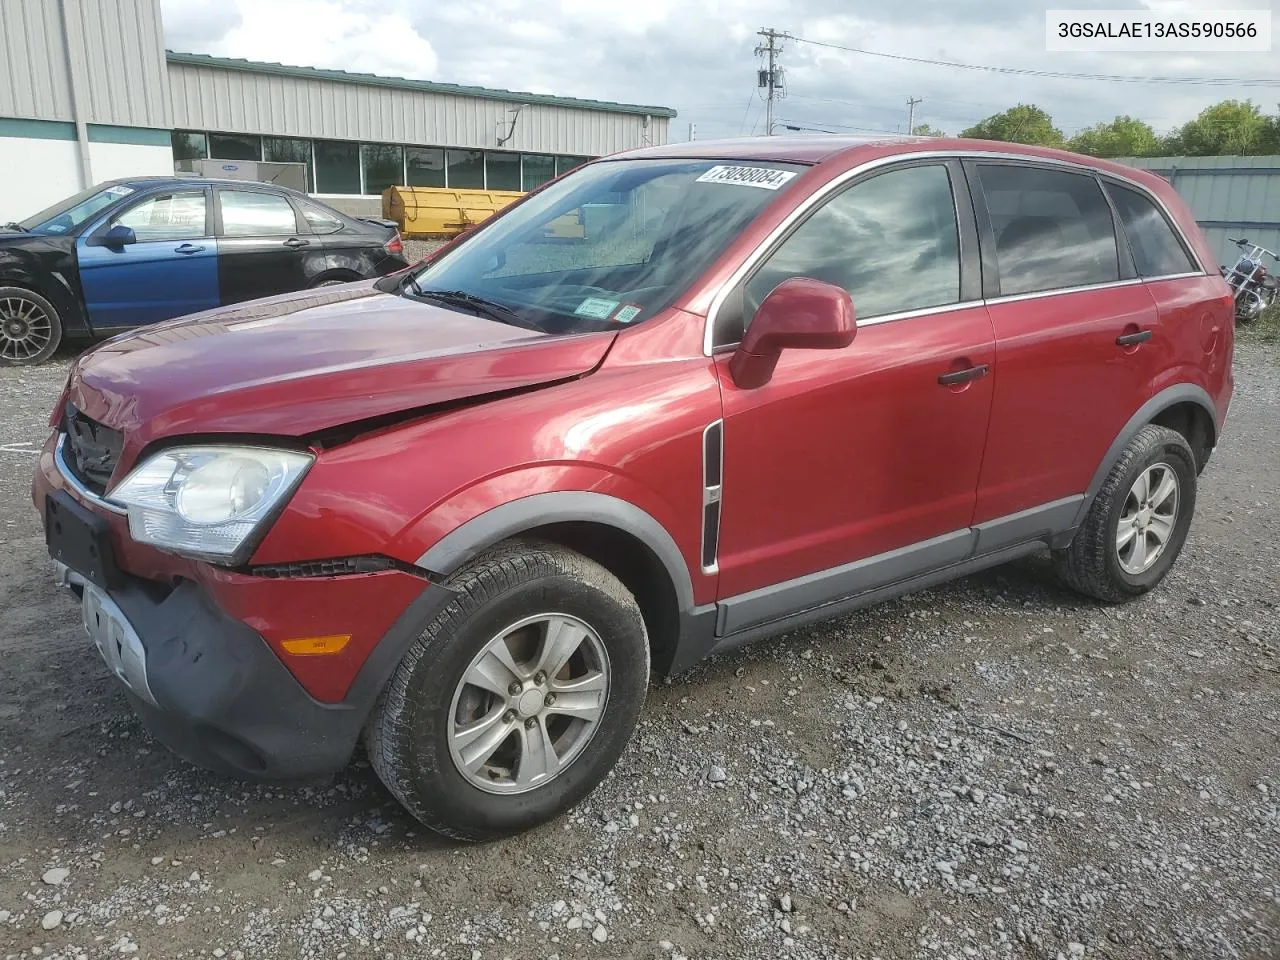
463 513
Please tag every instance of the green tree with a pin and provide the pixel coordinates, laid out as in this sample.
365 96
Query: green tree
1232 127
1122 137
1025 123
924 130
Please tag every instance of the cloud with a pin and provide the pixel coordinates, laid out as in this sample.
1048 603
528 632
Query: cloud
697 56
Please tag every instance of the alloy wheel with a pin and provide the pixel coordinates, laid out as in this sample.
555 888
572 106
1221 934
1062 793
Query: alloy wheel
25 328
529 703
1147 519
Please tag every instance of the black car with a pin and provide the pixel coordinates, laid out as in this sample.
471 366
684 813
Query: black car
132 252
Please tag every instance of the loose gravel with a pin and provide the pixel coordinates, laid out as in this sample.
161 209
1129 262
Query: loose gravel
995 768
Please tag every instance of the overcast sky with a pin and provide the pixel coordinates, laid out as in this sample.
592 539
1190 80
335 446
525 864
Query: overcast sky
696 55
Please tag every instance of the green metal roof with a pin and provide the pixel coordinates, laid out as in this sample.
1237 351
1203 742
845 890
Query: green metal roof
424 86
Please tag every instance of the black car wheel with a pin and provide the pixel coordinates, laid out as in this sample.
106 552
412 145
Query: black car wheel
30 329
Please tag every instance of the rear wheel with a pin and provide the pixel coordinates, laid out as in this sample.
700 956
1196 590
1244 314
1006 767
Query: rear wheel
30 328
1138 522
517 700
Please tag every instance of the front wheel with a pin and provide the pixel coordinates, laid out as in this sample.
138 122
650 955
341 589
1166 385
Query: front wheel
30 328
1138 521
517 700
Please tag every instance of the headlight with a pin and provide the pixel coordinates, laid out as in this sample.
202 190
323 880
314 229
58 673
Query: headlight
208 502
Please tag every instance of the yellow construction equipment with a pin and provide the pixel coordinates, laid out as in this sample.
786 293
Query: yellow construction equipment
439 212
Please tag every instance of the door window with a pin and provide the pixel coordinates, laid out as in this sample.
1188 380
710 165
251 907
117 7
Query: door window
1052 229
252 214
1156 249
170 216
892 241
318 218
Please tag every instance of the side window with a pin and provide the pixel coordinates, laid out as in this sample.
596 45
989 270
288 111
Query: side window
252 214
892 241
319 219
1052 229
170 216
1156 249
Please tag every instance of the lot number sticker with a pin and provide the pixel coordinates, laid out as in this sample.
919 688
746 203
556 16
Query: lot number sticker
747 176
596 307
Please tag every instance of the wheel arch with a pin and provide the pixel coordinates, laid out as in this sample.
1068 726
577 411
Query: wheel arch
1185 408
618 535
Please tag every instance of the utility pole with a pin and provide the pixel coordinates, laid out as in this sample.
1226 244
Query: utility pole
911 114
693 132
770 79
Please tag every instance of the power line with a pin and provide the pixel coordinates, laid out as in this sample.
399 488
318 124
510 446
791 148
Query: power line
1018 71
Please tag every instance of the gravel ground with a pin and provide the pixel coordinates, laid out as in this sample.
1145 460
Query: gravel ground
991 769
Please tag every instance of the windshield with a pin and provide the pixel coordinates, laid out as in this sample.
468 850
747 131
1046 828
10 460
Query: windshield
71 214
611 244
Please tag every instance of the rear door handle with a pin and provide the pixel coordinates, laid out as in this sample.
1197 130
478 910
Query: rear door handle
295 243
1133 339
188 248
964 376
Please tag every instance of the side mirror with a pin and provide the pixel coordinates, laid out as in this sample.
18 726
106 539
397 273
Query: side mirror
799 313
118 236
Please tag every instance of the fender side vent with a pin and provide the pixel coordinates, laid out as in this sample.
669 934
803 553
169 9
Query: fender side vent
712 477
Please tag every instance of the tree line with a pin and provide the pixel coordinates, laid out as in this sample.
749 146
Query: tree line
1232 127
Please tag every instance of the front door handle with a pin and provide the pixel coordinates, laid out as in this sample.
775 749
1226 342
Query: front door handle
188 248
295 243
1133 339
964 376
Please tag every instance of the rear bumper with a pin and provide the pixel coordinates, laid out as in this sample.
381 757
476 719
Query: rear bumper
214 692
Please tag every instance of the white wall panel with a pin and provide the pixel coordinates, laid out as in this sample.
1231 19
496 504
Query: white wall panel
37 174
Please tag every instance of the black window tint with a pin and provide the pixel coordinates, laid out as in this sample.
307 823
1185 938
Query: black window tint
1156 250
235 146
1052 229
337 167
285 150
891 241
189 145
466 169
246 214
502 171
171 216
424 166
318 218
383 167
537 170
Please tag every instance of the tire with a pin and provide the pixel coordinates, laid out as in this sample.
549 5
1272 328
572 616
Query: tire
408 737
30 328
1096 563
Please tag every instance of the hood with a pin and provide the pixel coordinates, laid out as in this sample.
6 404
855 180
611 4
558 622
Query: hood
299 363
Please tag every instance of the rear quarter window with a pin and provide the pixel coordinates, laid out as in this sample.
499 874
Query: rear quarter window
1157 251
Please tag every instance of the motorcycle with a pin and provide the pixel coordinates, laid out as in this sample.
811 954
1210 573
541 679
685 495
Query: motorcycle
1254 287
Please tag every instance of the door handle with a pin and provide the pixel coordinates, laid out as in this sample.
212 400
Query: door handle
295 243
188 248
964 376
1133 339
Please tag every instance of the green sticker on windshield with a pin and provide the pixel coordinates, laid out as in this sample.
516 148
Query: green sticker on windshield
627 313
596 307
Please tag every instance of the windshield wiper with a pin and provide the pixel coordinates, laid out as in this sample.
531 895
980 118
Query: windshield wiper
411 282
488 308
11 225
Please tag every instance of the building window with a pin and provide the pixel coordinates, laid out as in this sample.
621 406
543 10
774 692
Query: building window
537 170
284 150
424 167
465 169
235 146
502 171
565 164
337 167
189 145
383 166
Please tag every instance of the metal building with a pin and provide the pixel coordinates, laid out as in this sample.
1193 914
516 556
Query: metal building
88 93
1229 196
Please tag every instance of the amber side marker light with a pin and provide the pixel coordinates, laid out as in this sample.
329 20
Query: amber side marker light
316 646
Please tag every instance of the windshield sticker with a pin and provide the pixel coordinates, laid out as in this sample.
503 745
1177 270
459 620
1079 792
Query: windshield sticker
596 307
627 313
747 176
118 191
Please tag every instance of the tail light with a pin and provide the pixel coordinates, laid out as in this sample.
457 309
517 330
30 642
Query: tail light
394 246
